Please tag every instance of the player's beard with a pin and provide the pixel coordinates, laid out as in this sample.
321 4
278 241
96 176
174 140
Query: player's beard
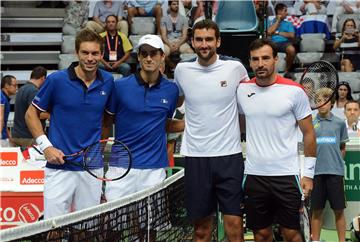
206 57
265 74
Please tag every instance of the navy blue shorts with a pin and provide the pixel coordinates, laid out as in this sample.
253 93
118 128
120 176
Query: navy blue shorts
331 188
211 182
282 46
270 199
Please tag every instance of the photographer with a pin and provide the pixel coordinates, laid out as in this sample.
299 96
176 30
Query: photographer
349 44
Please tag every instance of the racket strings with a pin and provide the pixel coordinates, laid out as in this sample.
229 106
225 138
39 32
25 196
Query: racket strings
108 160
319 79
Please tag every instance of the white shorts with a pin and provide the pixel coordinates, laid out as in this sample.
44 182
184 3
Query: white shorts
136 180
69 190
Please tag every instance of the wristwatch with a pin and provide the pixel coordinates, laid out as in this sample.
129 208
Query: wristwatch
277 32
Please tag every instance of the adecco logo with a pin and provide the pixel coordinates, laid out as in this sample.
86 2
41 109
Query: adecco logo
8 158
31 177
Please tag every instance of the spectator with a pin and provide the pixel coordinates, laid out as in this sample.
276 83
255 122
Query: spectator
282 33
8 88
174 32
352 121
117 48
313 7
21 135
331 137
349 43
344 6
290 4
76 16
105 8
145 8
342 96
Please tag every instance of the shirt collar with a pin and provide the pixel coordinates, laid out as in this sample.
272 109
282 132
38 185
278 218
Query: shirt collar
141 81
74 77
7 97
357 124
331 116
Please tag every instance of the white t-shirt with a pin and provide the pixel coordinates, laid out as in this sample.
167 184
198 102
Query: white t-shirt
271 125
211 114
353 131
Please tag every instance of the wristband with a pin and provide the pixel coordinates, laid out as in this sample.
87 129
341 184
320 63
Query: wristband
43 142
309 166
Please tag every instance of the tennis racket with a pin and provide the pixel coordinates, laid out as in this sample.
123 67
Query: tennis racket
320 77
305 219
106 160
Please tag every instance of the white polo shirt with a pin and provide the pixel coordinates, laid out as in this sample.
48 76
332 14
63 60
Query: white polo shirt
211 114
271 125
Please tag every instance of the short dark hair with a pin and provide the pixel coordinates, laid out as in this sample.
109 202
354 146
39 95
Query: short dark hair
111 15
258 43
87 35
170 1
279 7
206 24
352 101
7 79
38 72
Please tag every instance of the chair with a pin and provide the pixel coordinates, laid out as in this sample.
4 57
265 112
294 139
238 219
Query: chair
143 25
66 60
67 46
312 46
281 65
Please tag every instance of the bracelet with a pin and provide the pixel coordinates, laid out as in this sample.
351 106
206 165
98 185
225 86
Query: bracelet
43 142
309 166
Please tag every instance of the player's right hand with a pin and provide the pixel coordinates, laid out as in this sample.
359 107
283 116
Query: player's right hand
54 156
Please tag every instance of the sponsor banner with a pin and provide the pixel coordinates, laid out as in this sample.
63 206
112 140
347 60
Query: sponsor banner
20 208
17 174
32 177
8 158
352 175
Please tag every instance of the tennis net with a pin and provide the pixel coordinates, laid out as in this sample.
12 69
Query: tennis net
157 213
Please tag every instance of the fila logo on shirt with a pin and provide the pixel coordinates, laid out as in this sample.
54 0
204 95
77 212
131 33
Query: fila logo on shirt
223 83
164 101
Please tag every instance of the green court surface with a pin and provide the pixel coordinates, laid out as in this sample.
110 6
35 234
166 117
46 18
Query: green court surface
327 235
330 235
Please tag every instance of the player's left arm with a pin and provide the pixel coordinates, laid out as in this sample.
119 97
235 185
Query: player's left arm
175 126
344 137
242 123
343 149
309 138
108 121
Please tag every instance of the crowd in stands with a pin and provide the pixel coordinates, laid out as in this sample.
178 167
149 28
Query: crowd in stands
172 23
112 20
